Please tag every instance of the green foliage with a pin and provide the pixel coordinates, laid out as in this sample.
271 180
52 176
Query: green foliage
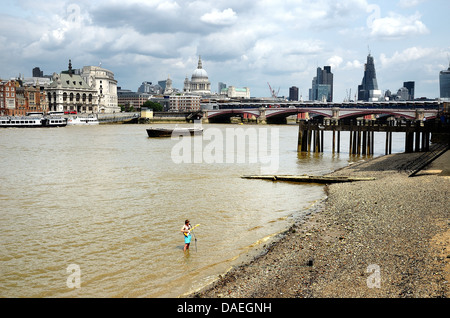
126 108
152 105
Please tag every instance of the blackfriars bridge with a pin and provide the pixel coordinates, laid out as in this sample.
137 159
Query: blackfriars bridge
280 115
267 113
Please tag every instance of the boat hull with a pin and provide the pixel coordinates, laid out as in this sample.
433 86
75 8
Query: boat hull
168 132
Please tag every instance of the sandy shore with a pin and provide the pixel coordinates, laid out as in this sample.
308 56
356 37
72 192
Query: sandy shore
386 238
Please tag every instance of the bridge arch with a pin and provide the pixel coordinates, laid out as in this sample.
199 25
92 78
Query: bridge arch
224 116
280 115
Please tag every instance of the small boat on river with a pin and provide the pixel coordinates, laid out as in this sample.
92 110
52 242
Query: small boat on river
177 131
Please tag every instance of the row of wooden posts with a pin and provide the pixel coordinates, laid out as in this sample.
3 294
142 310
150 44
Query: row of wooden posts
362 133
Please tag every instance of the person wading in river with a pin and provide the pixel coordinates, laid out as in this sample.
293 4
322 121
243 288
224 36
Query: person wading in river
187 234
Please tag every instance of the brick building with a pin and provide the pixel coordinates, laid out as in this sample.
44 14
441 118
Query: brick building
30 99
7 98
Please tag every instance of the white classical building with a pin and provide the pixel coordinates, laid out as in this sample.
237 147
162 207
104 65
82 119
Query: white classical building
68 92
102 80
199 83
235 92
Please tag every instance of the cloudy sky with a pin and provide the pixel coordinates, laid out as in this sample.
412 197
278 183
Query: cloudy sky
241 42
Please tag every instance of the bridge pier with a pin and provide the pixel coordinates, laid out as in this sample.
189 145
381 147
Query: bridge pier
205 119
262 119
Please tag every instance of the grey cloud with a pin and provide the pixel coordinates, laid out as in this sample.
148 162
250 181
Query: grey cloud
145 19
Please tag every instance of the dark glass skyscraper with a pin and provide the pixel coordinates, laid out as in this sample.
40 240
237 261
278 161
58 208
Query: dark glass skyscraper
369 81
322 85
444 83
410 86
293 93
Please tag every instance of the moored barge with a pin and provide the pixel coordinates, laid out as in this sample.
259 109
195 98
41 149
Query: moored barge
177 131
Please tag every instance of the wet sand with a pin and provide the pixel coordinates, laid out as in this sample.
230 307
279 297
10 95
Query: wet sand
386 238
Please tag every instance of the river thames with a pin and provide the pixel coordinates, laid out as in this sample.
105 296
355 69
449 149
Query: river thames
96 211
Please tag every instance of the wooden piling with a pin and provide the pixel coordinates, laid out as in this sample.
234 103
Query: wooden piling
338 141
362 135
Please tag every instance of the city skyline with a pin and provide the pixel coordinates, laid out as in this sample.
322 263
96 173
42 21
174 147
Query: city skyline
242 43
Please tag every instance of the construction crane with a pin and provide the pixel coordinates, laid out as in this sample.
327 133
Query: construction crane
272 92
348 96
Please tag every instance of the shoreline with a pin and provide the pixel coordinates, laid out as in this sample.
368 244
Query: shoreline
386 238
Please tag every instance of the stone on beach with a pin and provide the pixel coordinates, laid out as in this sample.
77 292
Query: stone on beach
394 229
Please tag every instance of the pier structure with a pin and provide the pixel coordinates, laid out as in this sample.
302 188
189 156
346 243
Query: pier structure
361 134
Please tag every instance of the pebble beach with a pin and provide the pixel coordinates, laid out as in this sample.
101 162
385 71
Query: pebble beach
384 238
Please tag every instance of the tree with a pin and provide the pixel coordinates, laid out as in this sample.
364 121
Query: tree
152 105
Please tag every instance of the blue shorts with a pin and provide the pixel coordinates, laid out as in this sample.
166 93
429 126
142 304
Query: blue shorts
187 239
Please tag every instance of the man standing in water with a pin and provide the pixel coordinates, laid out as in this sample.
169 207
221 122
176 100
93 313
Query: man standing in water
187 234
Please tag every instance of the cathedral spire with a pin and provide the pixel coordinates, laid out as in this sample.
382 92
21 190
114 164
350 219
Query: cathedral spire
199 62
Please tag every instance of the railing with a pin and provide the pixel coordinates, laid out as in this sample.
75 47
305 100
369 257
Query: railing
425 159
116 117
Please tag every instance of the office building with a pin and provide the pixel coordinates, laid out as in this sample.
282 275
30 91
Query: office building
410 86
149 88
368 90
37 72
221 86
322 85
444 84
235 92
184 103
293 93
130 99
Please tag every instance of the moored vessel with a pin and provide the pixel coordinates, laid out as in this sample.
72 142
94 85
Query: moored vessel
76 120
21 122
32 121
177 131
54 122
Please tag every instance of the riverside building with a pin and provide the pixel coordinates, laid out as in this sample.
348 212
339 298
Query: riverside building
102 80
68 92
7 98
184 103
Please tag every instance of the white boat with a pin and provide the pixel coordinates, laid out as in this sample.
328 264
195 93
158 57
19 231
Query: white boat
32 121
54 121
21 122
76 120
